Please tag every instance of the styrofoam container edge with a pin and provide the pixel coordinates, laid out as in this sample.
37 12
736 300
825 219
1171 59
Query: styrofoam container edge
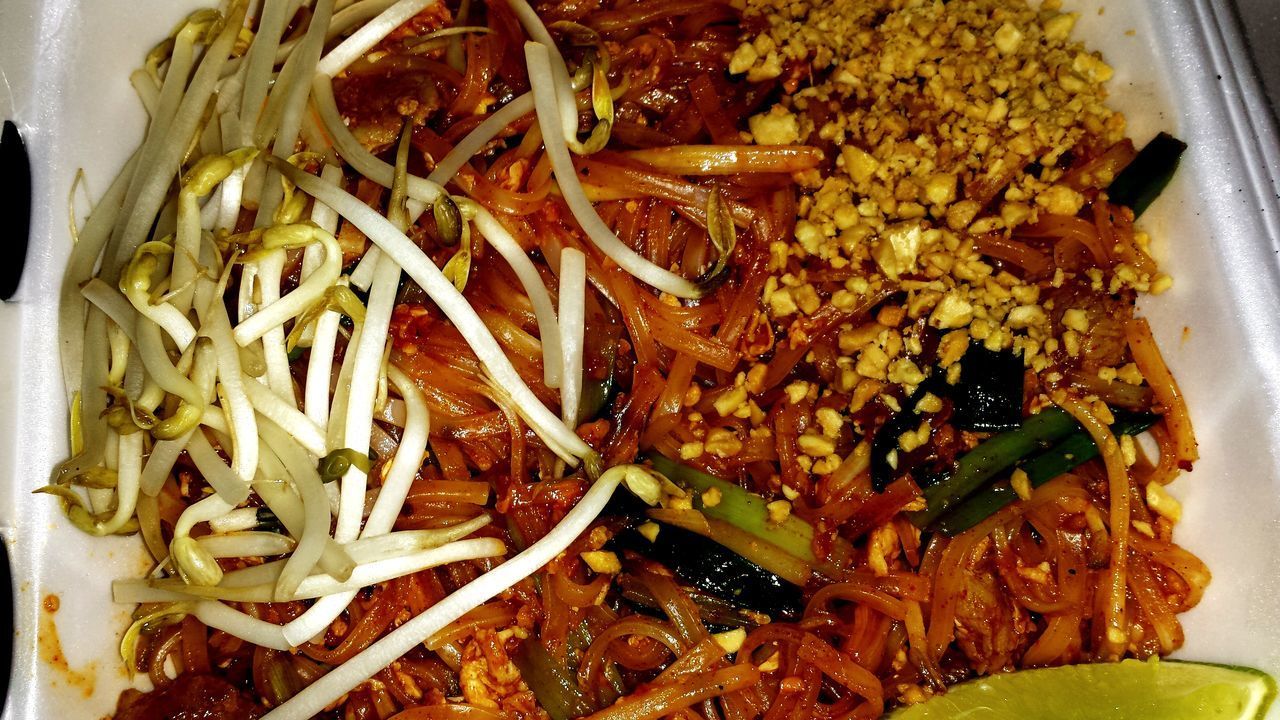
64 68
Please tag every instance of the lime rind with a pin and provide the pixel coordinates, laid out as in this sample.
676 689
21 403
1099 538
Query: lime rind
1128 690
1268 694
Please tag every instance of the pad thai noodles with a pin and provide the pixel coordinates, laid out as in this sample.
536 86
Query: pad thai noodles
623 359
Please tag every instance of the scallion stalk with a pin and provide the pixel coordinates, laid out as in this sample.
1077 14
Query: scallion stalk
997 453
741 508
1077 449
1142 181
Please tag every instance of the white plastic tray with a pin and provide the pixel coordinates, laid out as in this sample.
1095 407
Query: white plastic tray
64 66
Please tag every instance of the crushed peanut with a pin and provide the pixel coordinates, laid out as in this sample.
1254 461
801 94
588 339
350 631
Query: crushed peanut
711 497
934 109
1021 484
948 128
1162 503
602 561
722 443
649 531
731 640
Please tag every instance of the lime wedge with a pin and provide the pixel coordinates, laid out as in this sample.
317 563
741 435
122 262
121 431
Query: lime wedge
1128 690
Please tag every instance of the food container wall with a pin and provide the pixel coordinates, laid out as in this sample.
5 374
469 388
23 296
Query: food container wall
1180 66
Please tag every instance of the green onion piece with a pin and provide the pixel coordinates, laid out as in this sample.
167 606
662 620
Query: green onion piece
336 464
739 544
712 609
741 508
1001 451
555 686
280 679
1067 455
596 393
1142 181
580 639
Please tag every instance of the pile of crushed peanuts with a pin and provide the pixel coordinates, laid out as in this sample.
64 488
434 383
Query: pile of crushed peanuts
951 121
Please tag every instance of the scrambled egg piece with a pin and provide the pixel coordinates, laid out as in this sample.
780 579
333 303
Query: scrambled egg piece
776 127
489 679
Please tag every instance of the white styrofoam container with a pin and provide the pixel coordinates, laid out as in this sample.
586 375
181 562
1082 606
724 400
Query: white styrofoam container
1180 66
